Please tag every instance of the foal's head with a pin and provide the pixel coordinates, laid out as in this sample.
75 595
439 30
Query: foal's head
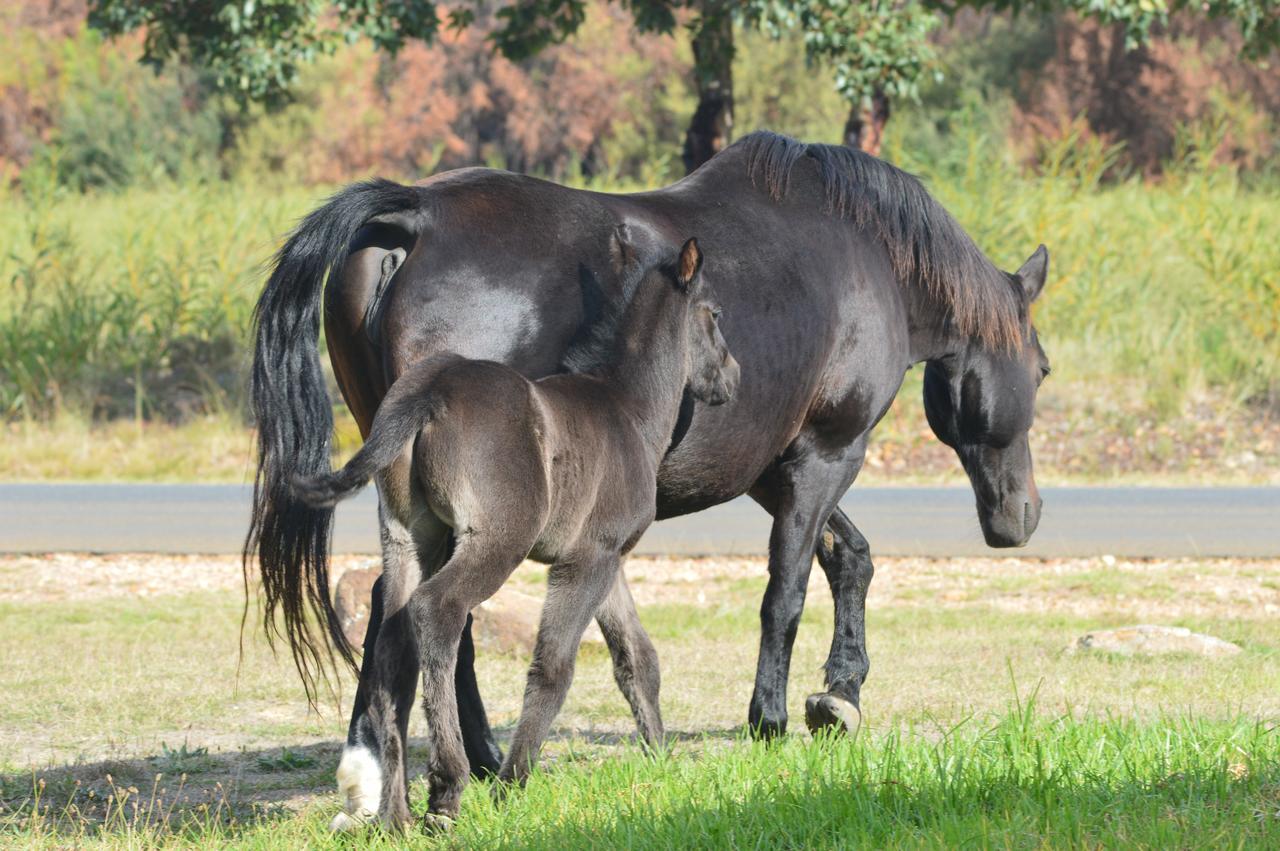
981 402
712 371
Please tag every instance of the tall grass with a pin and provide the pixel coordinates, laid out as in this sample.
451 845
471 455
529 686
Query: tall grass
1024 781
133 304
137 304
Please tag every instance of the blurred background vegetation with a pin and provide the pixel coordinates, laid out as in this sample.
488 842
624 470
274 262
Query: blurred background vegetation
138 208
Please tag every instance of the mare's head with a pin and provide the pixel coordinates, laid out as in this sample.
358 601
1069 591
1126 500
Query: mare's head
712 370
981 402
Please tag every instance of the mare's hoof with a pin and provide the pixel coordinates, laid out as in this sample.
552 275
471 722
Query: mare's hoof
829 711
767 731
437 823
345 822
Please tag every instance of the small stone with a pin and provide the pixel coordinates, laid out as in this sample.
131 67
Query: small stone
1153 640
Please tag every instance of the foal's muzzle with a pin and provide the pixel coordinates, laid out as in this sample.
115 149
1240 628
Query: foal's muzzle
730 376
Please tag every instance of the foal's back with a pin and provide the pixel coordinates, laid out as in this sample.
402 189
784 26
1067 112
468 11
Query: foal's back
549 463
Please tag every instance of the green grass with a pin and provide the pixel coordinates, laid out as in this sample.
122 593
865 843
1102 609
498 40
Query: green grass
980 729
1018 781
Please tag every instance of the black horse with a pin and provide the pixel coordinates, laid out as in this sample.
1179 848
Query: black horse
563 470
837 272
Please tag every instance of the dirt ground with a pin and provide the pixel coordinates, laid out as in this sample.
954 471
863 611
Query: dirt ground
1168 588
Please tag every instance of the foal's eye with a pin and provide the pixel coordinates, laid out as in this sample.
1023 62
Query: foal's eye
715 313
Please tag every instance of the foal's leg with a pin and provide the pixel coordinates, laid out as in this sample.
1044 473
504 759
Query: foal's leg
371 772
439 609
482 748
635 661
845 557
800 492
575 592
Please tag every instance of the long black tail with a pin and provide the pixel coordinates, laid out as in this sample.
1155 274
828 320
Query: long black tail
401 416
295 421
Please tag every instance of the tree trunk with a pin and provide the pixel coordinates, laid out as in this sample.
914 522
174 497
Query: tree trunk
864 129
712 123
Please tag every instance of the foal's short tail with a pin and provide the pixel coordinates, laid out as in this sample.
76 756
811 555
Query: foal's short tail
405 409
292 410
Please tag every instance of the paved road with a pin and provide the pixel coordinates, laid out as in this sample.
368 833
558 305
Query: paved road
897 521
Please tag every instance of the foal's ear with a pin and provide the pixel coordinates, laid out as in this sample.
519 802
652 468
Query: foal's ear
1033 273
622 249
689 264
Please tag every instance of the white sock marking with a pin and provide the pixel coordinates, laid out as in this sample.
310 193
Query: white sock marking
360 782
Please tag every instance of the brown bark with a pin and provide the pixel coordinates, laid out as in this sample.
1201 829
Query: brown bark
711 127
864 129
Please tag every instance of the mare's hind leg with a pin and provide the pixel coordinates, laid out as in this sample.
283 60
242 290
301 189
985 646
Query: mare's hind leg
575 592
371 774
800 491
439 609
635 661
845 557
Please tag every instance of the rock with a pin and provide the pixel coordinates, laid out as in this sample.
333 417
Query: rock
1151 640
507 622
351 602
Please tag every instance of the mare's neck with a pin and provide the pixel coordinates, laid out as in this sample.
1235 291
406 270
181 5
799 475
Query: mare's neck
932 333
647 370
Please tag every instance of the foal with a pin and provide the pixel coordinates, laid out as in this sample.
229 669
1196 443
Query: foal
562 470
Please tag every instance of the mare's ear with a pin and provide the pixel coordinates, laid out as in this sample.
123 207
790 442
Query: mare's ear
689 264
622 249
1033 273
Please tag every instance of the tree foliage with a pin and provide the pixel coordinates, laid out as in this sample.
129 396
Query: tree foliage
1257 20
873 46
253 49
876 48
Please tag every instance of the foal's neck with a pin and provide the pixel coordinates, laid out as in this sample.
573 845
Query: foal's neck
648 367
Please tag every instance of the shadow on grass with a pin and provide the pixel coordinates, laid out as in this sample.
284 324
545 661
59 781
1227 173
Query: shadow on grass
180 789
188 789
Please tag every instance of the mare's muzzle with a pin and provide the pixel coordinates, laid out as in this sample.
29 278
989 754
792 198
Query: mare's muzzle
1008 499
1011 523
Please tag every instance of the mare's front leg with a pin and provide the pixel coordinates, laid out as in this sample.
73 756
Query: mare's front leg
800 491
845 557
575 592
635 661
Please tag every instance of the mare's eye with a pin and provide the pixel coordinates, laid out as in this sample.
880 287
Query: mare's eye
715 313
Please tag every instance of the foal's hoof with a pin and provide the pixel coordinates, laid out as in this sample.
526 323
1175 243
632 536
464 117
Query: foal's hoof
829 711
345 822
435 823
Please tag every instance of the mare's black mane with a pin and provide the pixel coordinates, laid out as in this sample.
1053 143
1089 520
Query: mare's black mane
924 242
